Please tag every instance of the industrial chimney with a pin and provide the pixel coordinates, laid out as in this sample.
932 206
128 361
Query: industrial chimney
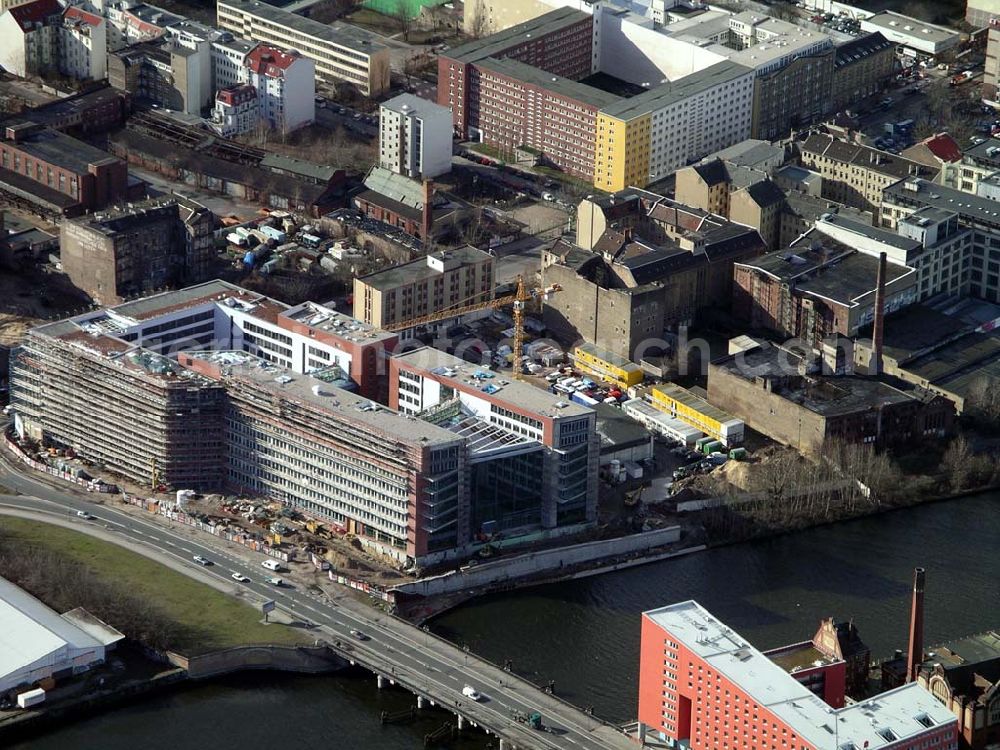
427 217
878 324
915 654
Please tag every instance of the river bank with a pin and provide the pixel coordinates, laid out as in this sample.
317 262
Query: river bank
426 609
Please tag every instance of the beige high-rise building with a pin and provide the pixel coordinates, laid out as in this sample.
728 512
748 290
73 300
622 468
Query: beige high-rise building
436 283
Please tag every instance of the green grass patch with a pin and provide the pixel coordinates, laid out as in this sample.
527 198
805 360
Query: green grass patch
206 619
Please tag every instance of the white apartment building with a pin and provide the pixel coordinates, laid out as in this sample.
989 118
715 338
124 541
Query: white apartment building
40 36
344 53
414 137
83 51
716 115
229 57
930 240
130 22
285 83
28 36
236 110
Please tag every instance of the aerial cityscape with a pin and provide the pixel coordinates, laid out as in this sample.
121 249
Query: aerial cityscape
500 374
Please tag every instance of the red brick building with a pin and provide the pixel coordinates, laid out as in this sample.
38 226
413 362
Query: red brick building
703 687
520 105
559 42
58 173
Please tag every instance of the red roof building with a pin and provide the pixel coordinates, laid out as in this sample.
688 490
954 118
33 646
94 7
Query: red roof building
78 15
941 152
35 12
269 61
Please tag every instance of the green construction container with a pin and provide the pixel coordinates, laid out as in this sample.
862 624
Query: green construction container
712 447
738 454
700 443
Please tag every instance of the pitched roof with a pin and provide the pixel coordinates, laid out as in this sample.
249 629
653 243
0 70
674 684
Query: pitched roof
766 193
713 172
944 147
29 14
75 13
271 61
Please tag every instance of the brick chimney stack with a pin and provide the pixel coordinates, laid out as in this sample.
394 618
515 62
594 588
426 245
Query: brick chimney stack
427 217
878 324
915 653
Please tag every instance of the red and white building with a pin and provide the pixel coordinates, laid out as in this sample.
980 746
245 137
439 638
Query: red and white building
83 48
704 687
40 36
286 87
236 110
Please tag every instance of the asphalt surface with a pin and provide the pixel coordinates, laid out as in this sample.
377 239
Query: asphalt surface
400 652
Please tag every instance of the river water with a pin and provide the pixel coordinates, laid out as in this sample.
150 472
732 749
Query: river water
585 634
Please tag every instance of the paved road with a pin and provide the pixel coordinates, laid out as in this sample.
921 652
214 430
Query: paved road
402 653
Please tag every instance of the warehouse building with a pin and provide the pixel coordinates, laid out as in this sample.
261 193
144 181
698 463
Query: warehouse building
38 644
910 34
780 393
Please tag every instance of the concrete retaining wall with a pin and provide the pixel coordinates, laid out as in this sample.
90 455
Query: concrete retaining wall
539 563
279 658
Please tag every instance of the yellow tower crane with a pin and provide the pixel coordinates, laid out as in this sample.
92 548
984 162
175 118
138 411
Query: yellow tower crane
518 300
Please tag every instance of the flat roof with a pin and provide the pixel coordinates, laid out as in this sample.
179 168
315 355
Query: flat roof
748 153
879 234
652 414
828 396
918 192
902 711
685 397
617 429
410 104
324 318
556 84
609 357
900 24
55 147
347 37
495 45
343 404
473 377
55 111
418 270
675 91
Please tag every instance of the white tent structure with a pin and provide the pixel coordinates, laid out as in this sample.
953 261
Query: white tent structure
36 642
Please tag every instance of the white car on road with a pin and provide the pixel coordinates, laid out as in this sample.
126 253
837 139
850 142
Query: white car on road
241 578
470 692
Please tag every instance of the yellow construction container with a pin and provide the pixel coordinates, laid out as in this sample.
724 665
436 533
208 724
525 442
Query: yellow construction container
681 404
606 366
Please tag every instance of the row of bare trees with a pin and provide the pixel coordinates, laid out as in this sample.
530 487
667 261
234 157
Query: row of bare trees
787 491
63 584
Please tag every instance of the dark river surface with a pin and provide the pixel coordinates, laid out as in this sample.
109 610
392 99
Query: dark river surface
585 634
